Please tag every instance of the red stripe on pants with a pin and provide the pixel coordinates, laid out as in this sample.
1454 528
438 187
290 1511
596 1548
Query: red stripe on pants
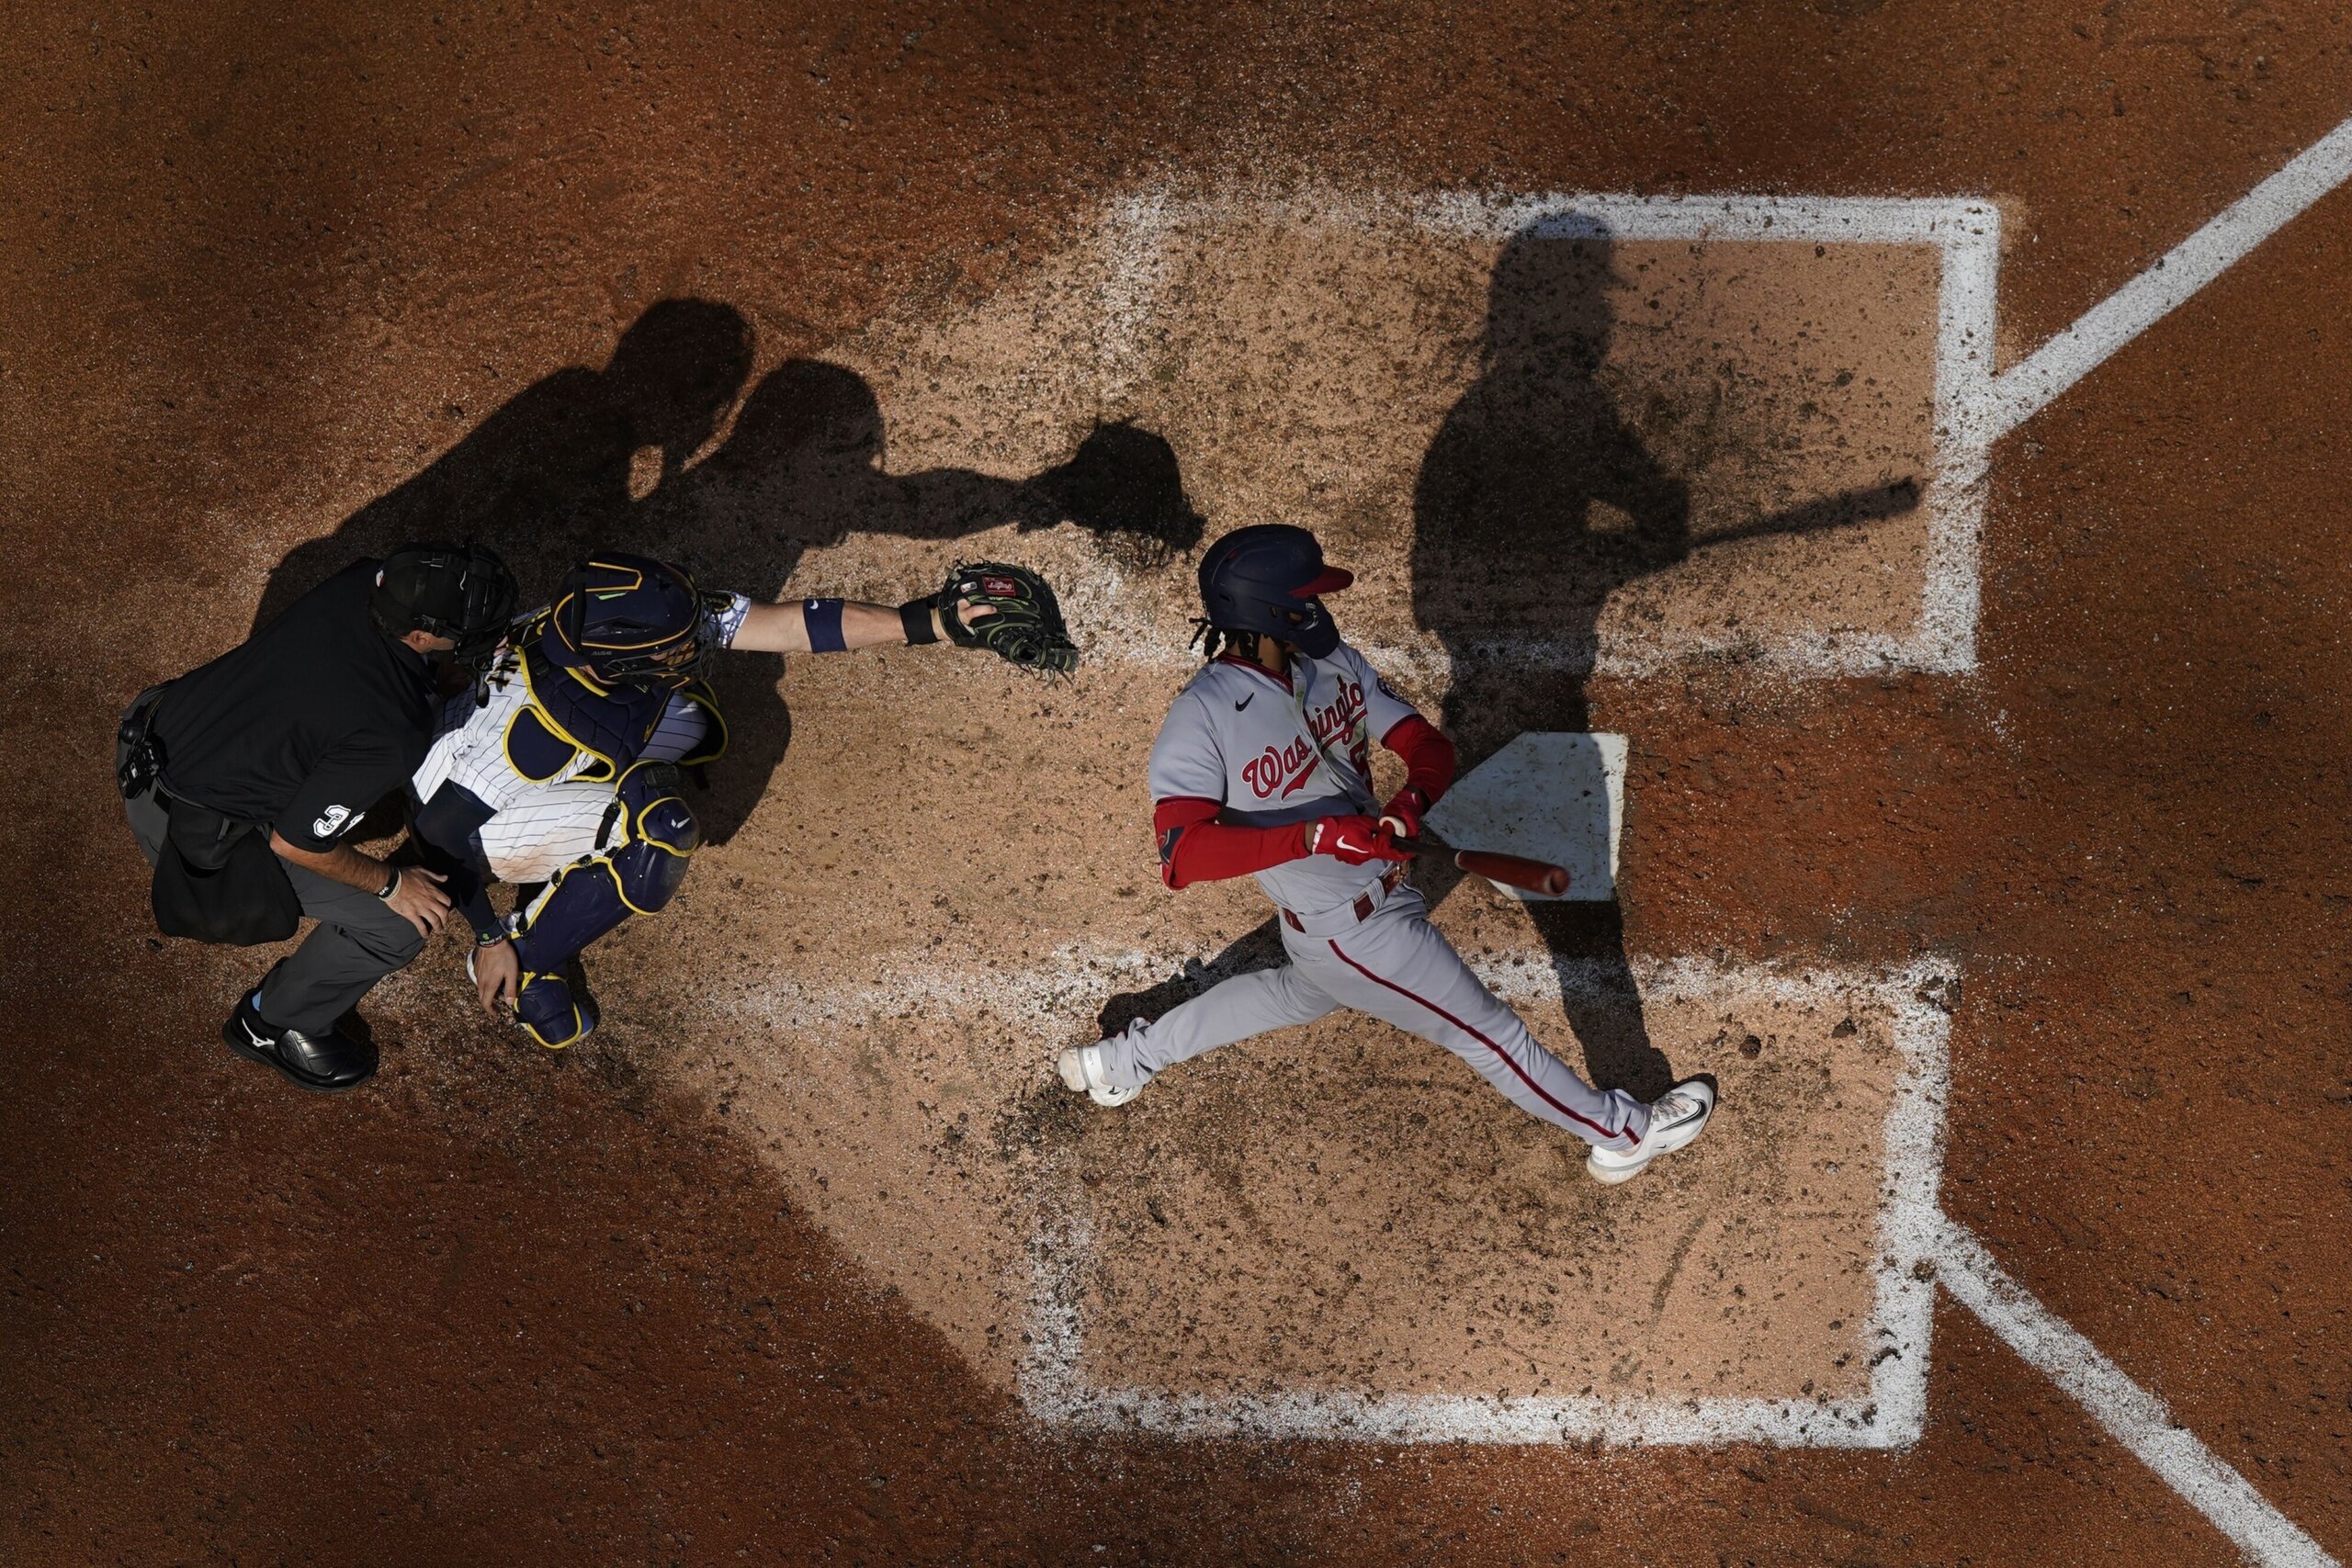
1532 1086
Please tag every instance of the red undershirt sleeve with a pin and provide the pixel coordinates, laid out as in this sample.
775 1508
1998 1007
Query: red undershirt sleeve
1428 755
1196 847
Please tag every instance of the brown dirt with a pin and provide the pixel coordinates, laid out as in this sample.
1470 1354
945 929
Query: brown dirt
1341 1209
264 269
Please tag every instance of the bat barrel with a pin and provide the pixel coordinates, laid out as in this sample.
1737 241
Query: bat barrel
1515 871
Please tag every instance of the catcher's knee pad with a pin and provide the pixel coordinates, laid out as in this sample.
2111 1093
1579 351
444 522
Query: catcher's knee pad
652 836
555 1009
655 838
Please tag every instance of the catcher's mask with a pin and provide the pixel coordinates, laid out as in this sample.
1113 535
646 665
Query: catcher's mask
1267 578
629 620
463 592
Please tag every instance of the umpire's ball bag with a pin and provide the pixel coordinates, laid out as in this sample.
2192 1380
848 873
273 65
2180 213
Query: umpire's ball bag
217 881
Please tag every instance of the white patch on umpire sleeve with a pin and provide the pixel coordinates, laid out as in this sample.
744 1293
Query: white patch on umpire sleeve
331 821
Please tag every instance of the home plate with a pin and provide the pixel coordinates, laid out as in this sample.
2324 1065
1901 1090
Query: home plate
1553 796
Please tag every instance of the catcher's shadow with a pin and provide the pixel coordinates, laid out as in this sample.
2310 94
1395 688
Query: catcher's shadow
804 468
547 475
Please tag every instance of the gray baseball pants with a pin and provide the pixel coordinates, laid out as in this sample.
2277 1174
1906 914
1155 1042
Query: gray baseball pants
1395 966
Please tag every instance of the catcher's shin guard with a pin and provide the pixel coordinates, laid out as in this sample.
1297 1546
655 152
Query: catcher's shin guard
556 1009
638 871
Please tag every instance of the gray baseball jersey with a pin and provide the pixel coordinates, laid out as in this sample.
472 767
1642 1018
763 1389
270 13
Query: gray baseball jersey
1267 751
1270 750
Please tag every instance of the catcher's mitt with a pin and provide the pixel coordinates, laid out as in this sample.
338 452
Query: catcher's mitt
1027 628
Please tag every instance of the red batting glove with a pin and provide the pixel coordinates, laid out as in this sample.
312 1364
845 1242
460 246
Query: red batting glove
1351 841
1402 816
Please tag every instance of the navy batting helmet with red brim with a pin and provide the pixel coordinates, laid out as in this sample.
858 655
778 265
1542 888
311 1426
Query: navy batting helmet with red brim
1267 578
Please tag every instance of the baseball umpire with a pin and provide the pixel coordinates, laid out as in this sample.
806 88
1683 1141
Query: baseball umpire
244 777
563 775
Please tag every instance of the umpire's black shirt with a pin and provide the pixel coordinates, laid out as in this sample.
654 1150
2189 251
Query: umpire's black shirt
310 722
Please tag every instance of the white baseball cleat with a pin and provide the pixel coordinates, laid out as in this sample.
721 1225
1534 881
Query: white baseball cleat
1677 1117
1081 1070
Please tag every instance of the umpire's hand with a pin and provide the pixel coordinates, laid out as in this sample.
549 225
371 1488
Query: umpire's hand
415 898
419 900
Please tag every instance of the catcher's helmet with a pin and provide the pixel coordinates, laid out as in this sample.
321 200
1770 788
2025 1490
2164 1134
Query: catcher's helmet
461 592
629 620
1265 578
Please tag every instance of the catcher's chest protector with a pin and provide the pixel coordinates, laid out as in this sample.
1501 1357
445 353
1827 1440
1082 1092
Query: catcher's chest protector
566 716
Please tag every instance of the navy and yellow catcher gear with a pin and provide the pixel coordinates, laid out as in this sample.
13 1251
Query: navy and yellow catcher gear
650 835
629 620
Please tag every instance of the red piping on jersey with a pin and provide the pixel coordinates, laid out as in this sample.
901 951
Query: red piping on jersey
1236 659
1532 1086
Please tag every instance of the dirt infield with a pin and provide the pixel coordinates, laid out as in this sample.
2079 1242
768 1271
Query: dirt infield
805 1257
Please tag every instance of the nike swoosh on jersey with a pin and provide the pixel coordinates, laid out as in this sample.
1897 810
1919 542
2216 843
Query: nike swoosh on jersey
1245 702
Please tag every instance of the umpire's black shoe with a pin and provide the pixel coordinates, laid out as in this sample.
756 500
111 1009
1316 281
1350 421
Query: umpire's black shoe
323 1062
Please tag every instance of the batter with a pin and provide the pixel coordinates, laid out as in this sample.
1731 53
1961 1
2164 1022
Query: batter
1263 768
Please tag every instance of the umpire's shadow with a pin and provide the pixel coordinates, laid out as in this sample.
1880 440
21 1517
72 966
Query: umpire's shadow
1504 508
804 468
545 477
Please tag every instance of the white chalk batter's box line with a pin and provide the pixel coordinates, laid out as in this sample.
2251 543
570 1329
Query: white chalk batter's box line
1966 233
1889 1414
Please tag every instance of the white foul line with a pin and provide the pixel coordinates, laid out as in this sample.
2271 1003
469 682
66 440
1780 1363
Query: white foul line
2133 1415
2036 381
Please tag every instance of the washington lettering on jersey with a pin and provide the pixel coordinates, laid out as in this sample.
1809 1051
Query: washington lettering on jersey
1303 752
1340 725
1284 769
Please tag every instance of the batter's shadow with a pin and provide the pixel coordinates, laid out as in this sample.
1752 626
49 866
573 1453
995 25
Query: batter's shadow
1536 477
1535 483
804 468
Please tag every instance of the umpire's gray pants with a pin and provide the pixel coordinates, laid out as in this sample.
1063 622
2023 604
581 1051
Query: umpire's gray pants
1395 966
358 942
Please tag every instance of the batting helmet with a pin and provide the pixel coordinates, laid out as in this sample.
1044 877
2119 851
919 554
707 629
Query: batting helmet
461 592
1266 579
629 620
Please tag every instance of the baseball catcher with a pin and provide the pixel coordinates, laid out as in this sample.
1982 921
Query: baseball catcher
1263 768
565 768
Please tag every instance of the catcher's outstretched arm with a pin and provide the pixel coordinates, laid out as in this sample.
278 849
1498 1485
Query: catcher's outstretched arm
785 628
1009 610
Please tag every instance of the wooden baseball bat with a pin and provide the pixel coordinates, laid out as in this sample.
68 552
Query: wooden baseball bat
1511 871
